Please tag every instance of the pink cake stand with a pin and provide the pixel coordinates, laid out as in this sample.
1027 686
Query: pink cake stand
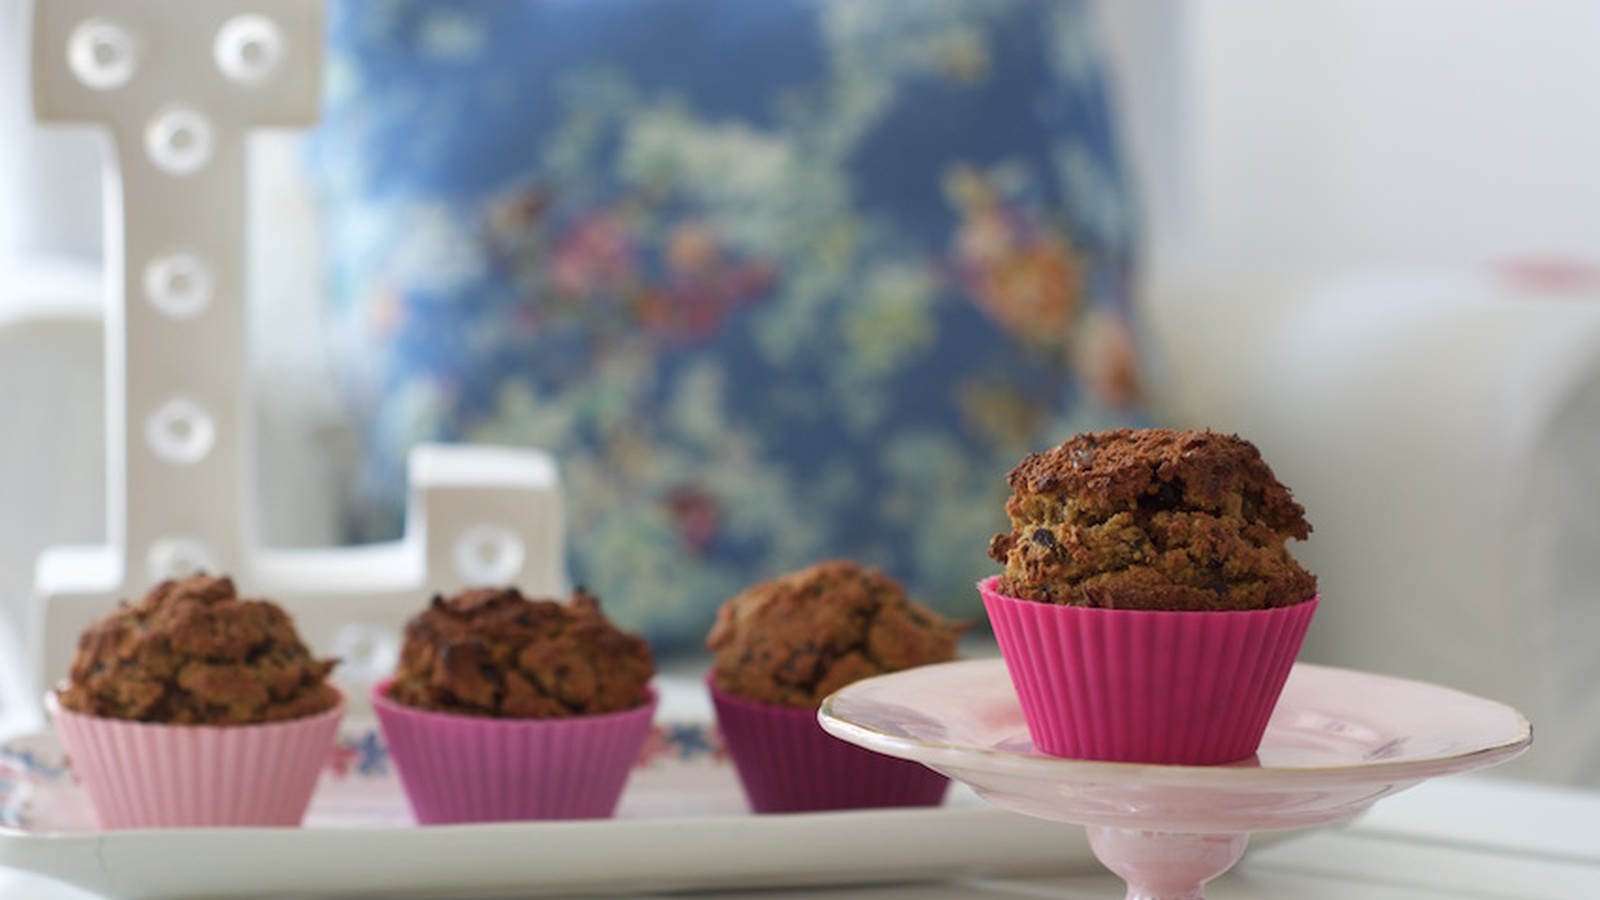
1338 741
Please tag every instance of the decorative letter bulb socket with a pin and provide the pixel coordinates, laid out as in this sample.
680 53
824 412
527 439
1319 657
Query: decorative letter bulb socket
180 432
366 652
488 555
178 285
249 49
179 140
102 55
176 557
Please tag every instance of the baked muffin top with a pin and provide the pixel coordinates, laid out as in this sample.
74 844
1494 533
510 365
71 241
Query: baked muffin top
494 652
191 651
1152 519
795 639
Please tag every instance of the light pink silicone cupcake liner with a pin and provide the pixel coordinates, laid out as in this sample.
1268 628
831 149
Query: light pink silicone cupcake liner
1189 688
457 768
147 775
787 763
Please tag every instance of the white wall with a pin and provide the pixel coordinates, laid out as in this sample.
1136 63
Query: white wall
49 179
1316 134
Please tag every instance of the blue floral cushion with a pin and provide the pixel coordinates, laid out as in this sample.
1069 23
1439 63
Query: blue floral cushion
776 280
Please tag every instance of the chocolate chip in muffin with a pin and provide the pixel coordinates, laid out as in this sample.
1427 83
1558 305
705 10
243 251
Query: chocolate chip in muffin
1152 519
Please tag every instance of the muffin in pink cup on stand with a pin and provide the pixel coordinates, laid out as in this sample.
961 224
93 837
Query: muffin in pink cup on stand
195 708
506 708
1149 610
780 647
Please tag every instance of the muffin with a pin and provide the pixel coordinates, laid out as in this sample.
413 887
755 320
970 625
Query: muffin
195 707
505 708
1149 609
1152 519
780 647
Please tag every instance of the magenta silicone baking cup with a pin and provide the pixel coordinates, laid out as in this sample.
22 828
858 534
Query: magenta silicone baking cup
1149 686
458 768
786 763
152 775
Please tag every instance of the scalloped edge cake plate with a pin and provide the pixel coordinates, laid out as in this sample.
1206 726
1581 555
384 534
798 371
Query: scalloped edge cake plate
1338 740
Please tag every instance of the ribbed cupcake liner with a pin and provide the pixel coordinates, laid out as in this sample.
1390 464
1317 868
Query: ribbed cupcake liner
1189 688
147 775
457 768
787 763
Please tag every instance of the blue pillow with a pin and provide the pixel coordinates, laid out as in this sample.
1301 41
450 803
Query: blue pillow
776 281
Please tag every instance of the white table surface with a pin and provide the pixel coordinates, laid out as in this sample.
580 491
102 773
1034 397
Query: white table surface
1459 837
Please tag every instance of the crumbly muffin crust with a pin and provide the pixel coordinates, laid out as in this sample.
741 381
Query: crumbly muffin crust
493 652
192 652
795 639
1152 519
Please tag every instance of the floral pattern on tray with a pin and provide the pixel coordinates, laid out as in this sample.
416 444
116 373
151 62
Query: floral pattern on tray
358 766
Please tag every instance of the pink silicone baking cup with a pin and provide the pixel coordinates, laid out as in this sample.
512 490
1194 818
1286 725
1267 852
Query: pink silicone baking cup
787 763
1150 686
150 775
457 768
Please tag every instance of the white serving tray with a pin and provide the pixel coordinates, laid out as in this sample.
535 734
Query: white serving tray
683 825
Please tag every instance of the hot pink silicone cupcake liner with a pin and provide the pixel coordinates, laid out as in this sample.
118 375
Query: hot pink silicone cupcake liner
457 768
147 775
787 763
1190 688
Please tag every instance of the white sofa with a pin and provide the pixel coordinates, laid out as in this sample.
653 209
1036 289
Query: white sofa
1443 432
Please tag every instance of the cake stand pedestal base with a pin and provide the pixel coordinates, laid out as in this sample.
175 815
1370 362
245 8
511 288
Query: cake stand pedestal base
1163 865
